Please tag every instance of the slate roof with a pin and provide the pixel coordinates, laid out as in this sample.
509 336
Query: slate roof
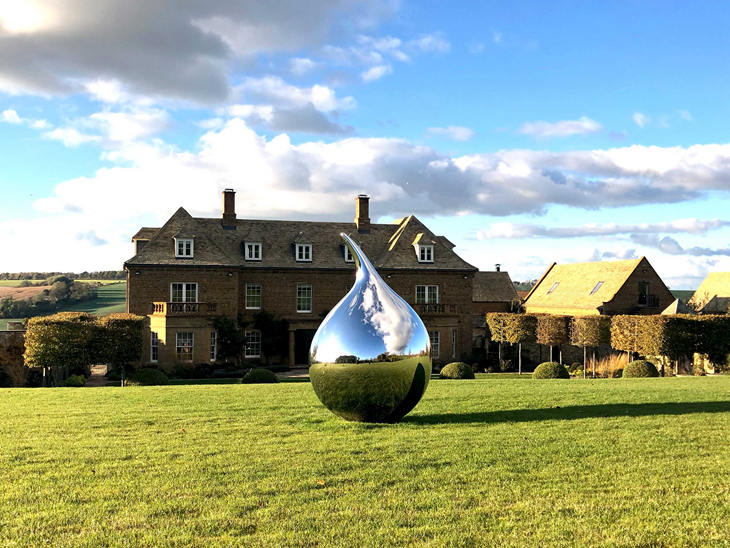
493 287
388 246
713 294
576 282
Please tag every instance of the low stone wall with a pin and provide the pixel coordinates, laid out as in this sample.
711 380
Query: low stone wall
12 346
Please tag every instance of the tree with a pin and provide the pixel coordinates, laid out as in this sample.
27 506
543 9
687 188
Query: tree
553 331
513 329
118 340
590 331
231 339
274 334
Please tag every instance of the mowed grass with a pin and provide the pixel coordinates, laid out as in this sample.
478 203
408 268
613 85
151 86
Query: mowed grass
491 461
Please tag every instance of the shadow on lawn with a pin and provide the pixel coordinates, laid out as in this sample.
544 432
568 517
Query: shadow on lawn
574 412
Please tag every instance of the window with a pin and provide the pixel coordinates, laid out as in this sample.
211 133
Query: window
183 292
427 294
425 253
304 298
453 343
598 286
552 287
304 252
184 247
253 251
154 348
253 296
184 346
348 255
643 293
213 346
253 344
435 337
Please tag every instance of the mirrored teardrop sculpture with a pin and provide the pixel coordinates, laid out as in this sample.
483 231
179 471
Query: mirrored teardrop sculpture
370 358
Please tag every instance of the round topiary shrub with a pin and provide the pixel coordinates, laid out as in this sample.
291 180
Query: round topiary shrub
76 380
457 370
550 370
640 368
147 376
256 376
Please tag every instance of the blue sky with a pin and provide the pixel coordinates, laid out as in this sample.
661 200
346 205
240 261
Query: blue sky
527 132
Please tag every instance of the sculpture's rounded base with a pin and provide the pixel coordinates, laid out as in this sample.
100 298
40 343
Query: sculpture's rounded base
371 391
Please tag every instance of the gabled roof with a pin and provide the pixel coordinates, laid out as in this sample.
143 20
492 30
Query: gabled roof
494 287
713 294
677 307
387 245
572 285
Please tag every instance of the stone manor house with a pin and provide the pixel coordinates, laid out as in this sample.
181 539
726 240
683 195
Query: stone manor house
191 270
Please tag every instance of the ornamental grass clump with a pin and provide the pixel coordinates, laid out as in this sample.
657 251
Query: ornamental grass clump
640 368
550 370
259 375
457 370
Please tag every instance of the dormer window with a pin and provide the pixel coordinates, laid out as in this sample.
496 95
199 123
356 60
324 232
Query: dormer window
184 248
348 255
303 252
425 253
253 251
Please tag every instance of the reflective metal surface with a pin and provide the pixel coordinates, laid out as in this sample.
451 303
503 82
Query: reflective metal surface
370 358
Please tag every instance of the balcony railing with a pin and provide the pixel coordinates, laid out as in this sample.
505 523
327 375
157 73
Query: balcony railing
651 301
437 308
184 309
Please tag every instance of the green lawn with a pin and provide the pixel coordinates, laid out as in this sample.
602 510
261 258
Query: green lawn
492 461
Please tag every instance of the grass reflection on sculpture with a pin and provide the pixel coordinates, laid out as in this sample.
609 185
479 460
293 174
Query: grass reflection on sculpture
370 358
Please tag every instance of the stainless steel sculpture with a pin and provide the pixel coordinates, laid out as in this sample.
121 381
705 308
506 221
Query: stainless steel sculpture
370 358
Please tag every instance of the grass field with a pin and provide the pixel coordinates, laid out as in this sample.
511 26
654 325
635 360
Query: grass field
493 461
111 297
16 283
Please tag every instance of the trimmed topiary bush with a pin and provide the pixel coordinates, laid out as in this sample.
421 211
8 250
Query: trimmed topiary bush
147 376
640 368
550 370
457 370
76 380
256 376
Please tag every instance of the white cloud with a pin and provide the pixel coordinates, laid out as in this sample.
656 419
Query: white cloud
274 90
131 124
11 117
376 72
456 133
519 230
70 137
433 43
563 128
640 119
301 65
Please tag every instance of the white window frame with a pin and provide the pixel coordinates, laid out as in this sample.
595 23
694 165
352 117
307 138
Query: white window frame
213 346
304 251
186 253
302 286
154 347
252 286
178 346
435 338
425 253
256 334
253 251
348 255
426 294
185 292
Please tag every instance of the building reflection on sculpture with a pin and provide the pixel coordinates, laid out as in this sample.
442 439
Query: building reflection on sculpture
370 358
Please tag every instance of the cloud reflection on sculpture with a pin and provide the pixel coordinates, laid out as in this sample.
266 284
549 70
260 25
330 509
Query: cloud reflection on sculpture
370 358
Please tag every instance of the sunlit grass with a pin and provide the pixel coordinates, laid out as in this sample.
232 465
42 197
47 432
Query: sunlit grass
492 461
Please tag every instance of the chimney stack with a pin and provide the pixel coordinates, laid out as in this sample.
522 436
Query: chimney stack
229 209
497 267
362 213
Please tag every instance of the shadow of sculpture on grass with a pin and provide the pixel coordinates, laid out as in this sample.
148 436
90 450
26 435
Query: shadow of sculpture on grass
573 412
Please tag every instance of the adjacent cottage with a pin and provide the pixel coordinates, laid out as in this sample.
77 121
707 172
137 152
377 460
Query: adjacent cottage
713 294
606 287
192 269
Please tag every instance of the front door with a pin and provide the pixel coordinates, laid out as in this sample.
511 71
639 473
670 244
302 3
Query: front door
302 342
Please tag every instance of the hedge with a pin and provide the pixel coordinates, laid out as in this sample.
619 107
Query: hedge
456 370
119 338
63 339
553 330
512 328
640 368
590 331
550 370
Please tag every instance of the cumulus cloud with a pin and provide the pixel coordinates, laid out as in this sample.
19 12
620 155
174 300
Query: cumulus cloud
179 50
671 246
519 230
563 128
301 65
456 133
376 73
274 90
316 180
10 116
435 43
640 119
70 137
131 124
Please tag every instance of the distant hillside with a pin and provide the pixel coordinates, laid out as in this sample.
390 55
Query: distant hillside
683 295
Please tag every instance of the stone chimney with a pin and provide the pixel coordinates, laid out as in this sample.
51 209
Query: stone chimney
229 209
497 267
362 213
